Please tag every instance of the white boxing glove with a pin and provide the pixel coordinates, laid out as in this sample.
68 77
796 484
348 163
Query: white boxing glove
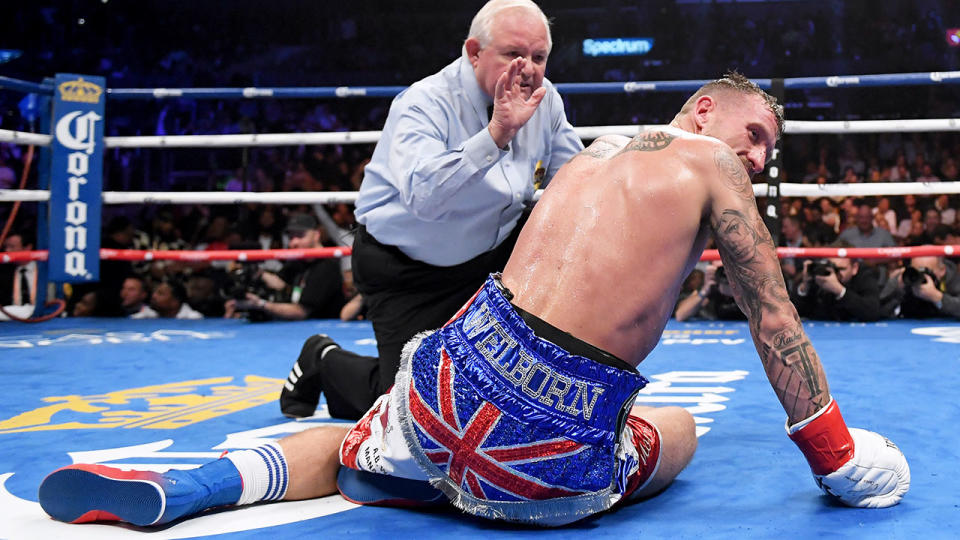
859 467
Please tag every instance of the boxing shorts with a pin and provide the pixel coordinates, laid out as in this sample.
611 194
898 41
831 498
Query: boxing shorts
508 425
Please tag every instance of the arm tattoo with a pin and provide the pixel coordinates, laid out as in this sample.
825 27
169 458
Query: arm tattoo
788 357
733 174
650 141
737 236
795 372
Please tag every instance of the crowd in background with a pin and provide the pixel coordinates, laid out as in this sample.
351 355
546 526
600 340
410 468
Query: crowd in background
121 43
805 222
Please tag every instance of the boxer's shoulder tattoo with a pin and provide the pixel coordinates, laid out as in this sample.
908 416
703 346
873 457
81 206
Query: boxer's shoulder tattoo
588 152
650 141
732 173
600 149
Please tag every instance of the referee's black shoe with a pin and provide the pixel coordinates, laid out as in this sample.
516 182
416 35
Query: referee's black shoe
301 391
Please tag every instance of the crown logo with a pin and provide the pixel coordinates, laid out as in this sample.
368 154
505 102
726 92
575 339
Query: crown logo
80 90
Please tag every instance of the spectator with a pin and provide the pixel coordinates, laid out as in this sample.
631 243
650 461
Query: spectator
712 300
948 214
791 235
120 234
21 278
849 158
443 196
941 235
849 176
916 235
818 233
164 235
92 300
848 213
203 294
926 174
865 234
268 230
928 287
169 300
135 297
906 227
830 214
310 289
949 171
931 220
8 178
886 214
838 289
919 166
899 172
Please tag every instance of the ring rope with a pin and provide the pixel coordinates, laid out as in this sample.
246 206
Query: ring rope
924 78
350 197
791 127
60 304
138 255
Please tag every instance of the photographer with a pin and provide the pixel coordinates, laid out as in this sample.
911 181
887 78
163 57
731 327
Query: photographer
712 300
838 289
311 289
929 287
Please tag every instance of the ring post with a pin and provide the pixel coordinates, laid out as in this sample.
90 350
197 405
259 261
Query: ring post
42 239
771 214
76 178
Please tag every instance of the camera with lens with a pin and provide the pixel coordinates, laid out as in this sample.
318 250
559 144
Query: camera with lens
245 279
822 268
915 276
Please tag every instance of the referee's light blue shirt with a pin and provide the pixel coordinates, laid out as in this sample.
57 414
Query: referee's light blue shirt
437 186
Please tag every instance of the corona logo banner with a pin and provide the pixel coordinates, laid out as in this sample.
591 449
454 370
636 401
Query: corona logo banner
76 178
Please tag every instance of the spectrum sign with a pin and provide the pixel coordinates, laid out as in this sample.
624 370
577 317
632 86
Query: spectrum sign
617 46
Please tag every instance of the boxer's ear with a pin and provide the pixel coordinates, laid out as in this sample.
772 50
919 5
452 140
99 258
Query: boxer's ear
703 111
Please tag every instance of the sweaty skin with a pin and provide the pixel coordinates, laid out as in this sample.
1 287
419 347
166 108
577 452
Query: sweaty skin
612 281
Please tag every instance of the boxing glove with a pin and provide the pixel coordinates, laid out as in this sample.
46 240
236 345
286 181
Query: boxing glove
860 468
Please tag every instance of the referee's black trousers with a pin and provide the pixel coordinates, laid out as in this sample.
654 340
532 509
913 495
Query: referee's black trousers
403 297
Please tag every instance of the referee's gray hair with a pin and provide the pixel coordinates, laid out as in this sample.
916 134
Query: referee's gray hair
482 25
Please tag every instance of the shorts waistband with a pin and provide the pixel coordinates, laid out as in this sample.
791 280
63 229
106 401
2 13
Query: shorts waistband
560 338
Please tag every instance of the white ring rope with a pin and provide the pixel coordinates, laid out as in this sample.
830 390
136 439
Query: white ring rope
802 127
368 137
24 137
350 197
240 140
229 197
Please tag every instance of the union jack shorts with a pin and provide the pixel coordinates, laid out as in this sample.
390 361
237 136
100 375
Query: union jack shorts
507 424
375 445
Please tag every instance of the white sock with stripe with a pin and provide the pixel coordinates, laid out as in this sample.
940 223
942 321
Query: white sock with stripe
263 471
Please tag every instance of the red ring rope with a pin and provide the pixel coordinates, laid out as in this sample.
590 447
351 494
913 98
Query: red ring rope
336 252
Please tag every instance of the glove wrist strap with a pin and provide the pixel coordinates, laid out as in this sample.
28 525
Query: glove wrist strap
824 440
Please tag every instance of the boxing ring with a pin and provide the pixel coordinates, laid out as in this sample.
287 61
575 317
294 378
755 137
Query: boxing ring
165 393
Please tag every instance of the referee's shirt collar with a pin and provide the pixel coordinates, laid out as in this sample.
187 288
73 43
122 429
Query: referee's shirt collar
478 98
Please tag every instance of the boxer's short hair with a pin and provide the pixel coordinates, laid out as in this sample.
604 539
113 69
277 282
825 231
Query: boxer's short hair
737 82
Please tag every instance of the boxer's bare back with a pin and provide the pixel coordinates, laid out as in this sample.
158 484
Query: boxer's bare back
609 243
